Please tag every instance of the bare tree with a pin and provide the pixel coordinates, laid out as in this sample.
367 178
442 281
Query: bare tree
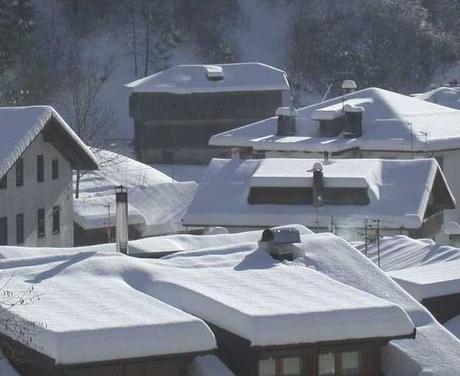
90 118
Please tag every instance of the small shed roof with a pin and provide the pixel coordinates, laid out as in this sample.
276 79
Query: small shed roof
390 122
398 191
20 125
185 79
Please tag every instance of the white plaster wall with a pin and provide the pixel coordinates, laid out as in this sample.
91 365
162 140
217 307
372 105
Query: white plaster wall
34 195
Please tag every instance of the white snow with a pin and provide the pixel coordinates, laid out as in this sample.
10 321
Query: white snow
20 125
184 79
434 352
398 191
156 203
391 121
91 308
208 365
444 95
401 252
429 281
242 289
453 326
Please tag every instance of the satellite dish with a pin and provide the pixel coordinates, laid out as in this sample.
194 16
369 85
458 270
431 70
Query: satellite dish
317 167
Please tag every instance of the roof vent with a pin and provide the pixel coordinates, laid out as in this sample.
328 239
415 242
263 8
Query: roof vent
214 72
349 86
318 184
286 124
279 242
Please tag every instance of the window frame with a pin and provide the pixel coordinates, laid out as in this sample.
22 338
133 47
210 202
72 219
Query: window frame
41 224
55 169
19 168
40 168
20 228
56 219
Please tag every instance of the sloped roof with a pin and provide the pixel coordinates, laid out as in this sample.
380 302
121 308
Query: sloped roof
20 125
89 309
398 190
242 289
444 95
391 121
183 79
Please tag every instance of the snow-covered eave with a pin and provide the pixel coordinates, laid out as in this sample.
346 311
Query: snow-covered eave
88 159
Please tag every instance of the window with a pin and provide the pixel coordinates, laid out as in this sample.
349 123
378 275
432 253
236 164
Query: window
304 196
3 230
40 168
281 367
326 364
41 223
351 363
19 172
4 182
56 220
55 169
20 228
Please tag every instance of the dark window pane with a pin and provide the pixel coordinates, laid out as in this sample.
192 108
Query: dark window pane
56 220
40 168
20 172
3 231
55 169
20 228
4 182
41 223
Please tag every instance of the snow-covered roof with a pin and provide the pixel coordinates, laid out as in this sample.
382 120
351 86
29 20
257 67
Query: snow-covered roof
429 281
242 289
91 307
402 252
20 125
156 202
444 95
208 365
398 191
184 79
453 326
391 121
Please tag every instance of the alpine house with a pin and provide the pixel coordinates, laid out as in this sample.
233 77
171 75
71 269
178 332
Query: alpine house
351 197
38 151
177 110
369 123
86 314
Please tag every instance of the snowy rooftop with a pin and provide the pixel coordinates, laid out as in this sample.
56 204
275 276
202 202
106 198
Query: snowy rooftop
398 192
183 79
391 121
20 125
108 311
402 252
242 289
155 201
444 95
430 281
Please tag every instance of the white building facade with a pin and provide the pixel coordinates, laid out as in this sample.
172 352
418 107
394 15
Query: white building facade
36 195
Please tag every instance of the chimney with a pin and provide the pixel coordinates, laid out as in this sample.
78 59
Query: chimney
318 184
349 86
279 242
121 198
286 124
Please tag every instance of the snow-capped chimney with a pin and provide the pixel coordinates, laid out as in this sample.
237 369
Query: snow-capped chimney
349 86
121 198
318 184
286 124
279 242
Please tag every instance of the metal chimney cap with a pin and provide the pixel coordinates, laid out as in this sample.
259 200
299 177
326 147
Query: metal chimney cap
317 167
286 111
349 85
286 235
